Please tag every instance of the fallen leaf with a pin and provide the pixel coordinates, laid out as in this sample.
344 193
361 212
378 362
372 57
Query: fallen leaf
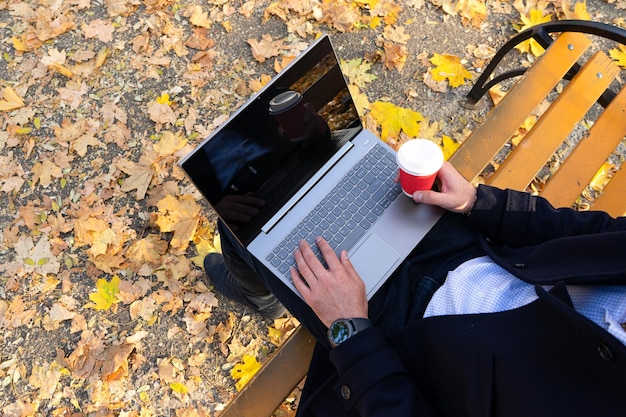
36 258
266 47
395 56
10 101
105 295
534 17
44 172
45 378
449 67
140 175
619 55
198 17
393 119
472 11
179 388
243 372
357 72
579 11
100 29
178 215
602 176
449 146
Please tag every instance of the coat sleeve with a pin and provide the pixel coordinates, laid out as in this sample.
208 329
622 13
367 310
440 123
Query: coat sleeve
373 380
523 219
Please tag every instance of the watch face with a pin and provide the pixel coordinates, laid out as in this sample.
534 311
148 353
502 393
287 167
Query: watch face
339 331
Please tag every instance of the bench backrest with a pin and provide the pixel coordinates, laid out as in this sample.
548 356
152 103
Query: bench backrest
551 130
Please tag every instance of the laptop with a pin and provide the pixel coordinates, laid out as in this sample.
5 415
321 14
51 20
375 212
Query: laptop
275 178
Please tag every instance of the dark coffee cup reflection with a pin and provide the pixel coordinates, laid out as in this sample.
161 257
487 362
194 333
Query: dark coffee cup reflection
288 110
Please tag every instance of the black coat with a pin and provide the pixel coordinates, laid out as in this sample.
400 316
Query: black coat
543 359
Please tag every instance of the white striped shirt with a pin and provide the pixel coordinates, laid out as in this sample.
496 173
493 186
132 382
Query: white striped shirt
481 286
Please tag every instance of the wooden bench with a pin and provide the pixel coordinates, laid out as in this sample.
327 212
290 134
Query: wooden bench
288 366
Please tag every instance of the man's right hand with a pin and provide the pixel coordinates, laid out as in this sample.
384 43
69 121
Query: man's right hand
239 208
456 194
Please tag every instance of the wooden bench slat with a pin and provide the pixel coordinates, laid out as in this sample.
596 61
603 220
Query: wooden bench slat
568 182
553 127
277 378
500 124
613 199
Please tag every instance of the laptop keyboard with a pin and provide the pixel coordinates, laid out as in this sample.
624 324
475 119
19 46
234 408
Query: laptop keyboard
347 212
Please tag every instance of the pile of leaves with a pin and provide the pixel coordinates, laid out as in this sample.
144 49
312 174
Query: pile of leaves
104 308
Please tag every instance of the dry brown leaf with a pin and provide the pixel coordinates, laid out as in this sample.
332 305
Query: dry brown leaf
178 215
44 172
83 359
139 175
266 47
341 15
101 29
161 113
148 250
395 56
198 17
396 34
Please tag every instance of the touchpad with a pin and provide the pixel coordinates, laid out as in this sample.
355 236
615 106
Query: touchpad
372 260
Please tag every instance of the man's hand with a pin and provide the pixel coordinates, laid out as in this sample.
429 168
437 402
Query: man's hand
456 194
333 293
239 208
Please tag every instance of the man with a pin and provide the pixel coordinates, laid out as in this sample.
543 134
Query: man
525 320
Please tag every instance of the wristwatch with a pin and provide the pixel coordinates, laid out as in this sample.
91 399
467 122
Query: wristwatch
343 329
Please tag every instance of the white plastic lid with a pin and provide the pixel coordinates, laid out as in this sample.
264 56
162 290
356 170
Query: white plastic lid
420 157
284 101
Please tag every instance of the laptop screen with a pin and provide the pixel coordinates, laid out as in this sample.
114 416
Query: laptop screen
257 160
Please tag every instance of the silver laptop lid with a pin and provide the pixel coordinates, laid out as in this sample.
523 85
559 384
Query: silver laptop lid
263 154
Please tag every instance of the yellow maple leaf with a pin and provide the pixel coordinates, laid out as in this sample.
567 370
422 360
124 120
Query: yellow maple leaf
535 17
449 67
243 372
619 55
11 101
105 296
393 119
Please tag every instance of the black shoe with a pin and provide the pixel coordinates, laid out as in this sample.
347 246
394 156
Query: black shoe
225 283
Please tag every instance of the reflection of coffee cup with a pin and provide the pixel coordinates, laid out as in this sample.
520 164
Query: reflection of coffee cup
419 161
288 110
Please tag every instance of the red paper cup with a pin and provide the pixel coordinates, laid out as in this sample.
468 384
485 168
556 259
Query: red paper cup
288 110
419 161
